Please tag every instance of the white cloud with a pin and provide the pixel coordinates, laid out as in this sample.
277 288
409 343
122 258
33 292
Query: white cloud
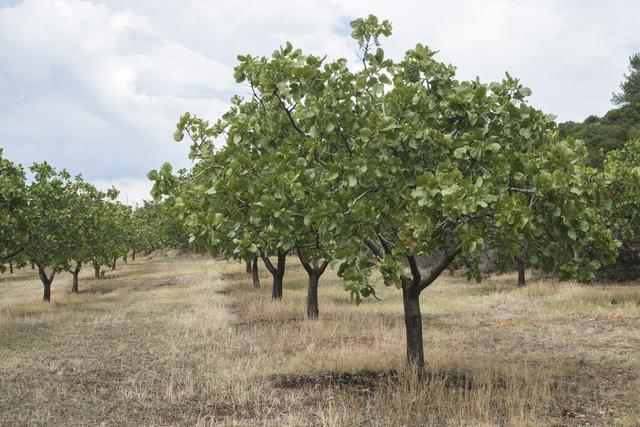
97 86
133 191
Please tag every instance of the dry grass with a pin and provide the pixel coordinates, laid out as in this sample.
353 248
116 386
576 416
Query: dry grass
187 341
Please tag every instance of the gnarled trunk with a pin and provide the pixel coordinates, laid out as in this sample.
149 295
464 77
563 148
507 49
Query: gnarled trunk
254 272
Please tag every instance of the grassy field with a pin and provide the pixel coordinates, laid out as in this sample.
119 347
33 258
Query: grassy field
188 341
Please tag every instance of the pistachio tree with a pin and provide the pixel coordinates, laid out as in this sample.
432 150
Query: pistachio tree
13 202
444 161
622 180
221 199
267 187
51 228
93 231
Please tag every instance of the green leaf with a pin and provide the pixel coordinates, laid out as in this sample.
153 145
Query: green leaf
494 146
459 153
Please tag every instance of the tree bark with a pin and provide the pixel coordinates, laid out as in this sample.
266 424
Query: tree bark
133 255
413 325
247 267
96 270
254 272
124 258
11 266
113 266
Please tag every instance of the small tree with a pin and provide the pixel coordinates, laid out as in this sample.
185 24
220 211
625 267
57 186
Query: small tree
448 157
87 206
622 180
630 87
51 229
13 202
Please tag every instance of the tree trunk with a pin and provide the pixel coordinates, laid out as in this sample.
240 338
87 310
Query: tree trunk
277 272
247 266
74 285
124 258
75 273
113 266
276 290
133 255
413 325
314 270
47 292
96 270
254 272
46 281
312 296
11 266
521 274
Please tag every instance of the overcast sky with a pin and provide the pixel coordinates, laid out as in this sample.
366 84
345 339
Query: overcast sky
97 86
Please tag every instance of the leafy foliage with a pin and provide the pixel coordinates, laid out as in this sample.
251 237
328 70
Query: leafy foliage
13 201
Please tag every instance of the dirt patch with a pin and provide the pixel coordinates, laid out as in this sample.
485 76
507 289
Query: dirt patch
233 276
359 381
98 290
368 380
248 324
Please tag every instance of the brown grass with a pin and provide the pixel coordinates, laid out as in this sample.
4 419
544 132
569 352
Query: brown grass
187 341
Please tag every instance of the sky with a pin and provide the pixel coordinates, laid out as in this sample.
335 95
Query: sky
97 87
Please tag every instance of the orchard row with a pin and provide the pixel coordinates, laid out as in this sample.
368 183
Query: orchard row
56 223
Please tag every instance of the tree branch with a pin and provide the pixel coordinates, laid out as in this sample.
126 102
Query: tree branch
415 271
267 263
438 269
374 248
